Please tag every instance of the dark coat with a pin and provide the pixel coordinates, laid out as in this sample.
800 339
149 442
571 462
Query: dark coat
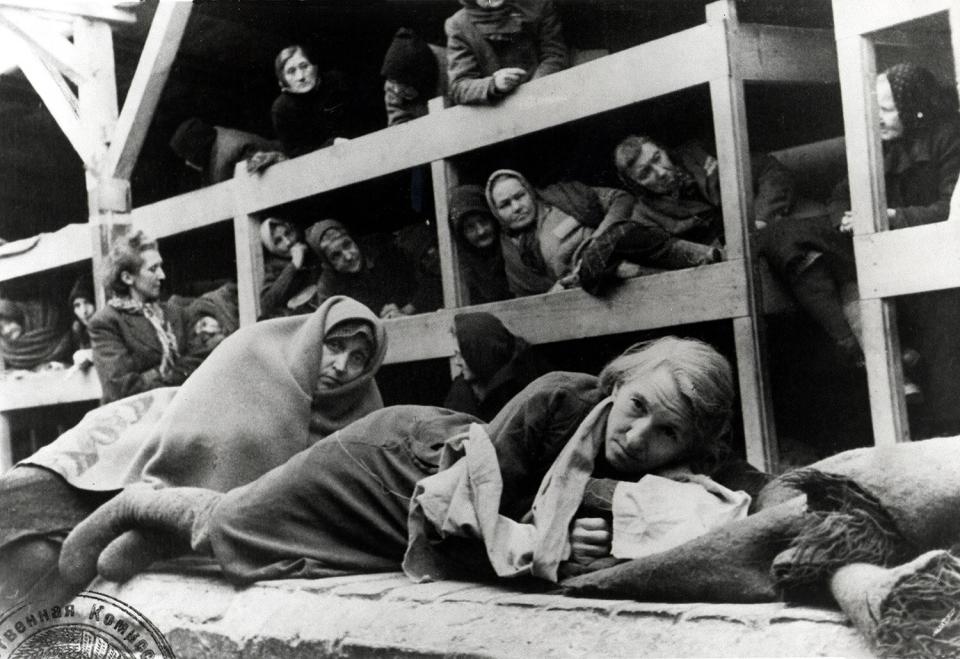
472 58
127 352
230 147
282 281
311 121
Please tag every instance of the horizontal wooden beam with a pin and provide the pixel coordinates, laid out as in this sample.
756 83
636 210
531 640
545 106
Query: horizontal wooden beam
857 17
667 299
70 244
209 205
54 388
784 54
905 261
630 76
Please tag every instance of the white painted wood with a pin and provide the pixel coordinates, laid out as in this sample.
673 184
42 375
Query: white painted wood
153 68
783 54
98 94
65 246
444 178
736 189
249 257
868 202
6 444
906 261
48 44
53 388
857 17
92 9
200 208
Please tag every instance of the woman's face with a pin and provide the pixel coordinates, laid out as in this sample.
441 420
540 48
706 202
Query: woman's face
299 75
343 254
283 237
890 125
342 360
643 433
479 230
652 169
83 309
514 204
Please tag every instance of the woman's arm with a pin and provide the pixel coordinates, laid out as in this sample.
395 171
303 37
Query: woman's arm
617 204
550 44
946 166
468 84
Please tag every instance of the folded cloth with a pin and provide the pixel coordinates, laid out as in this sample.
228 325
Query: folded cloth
656 513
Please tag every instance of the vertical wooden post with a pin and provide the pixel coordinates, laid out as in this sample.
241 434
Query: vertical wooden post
880 339
249 251
6 442
733 157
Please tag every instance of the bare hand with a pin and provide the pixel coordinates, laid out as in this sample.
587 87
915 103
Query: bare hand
297 254
340 140
846 222
508 79
258 162
390 310
590 539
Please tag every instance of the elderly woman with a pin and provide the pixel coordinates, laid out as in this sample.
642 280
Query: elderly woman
563 445
921 160
312 110
267 392
290 269
494 365
572 234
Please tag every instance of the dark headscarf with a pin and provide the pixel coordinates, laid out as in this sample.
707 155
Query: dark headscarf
469 200
82 288
221 304
486 345
918 96
193 140
410 61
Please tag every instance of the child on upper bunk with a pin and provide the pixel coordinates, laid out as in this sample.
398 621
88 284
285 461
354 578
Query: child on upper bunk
571 234
493 46
920 135
82 303
214 151
139 343
679 189
376 274
477 233
32 336
313 109
290 269
415 71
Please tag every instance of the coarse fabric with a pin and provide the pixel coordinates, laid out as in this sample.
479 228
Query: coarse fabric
400 110
410 60
283 283
484 342
43 339
523 33
310 121
250 406
221 304
483 269
217 149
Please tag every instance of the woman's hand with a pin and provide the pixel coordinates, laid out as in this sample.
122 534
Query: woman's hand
846 222
508 79
590 539
297 254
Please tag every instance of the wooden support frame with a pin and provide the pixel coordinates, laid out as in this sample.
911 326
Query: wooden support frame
54 48
853 18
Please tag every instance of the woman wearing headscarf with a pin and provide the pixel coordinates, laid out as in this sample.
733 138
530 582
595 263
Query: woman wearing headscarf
921 161
494 365
214 316
493 46
571 234
312 110
478 236
414 71
290 269
440 494
31 335
267 392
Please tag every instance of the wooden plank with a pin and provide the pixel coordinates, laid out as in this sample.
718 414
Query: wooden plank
71 244
868 201
906 261
620 79
444 178
6 444
676 297
46 42
98 93
89 9
736 190
784 54
249 251
153 68
856 17
200 208
53 388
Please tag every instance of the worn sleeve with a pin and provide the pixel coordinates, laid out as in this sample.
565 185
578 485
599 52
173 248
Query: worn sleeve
617 204
278 285
946 157
116 365
551 45
468 84
400 111
774 188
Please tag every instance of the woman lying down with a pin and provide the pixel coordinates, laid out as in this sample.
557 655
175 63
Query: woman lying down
438 494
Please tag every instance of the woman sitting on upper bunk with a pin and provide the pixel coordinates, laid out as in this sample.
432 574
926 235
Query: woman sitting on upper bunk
493 46
477 232
570 234
313 109
290 269
139 343
920 134
443 496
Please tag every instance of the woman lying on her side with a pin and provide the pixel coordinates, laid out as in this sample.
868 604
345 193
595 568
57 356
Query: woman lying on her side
437 493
